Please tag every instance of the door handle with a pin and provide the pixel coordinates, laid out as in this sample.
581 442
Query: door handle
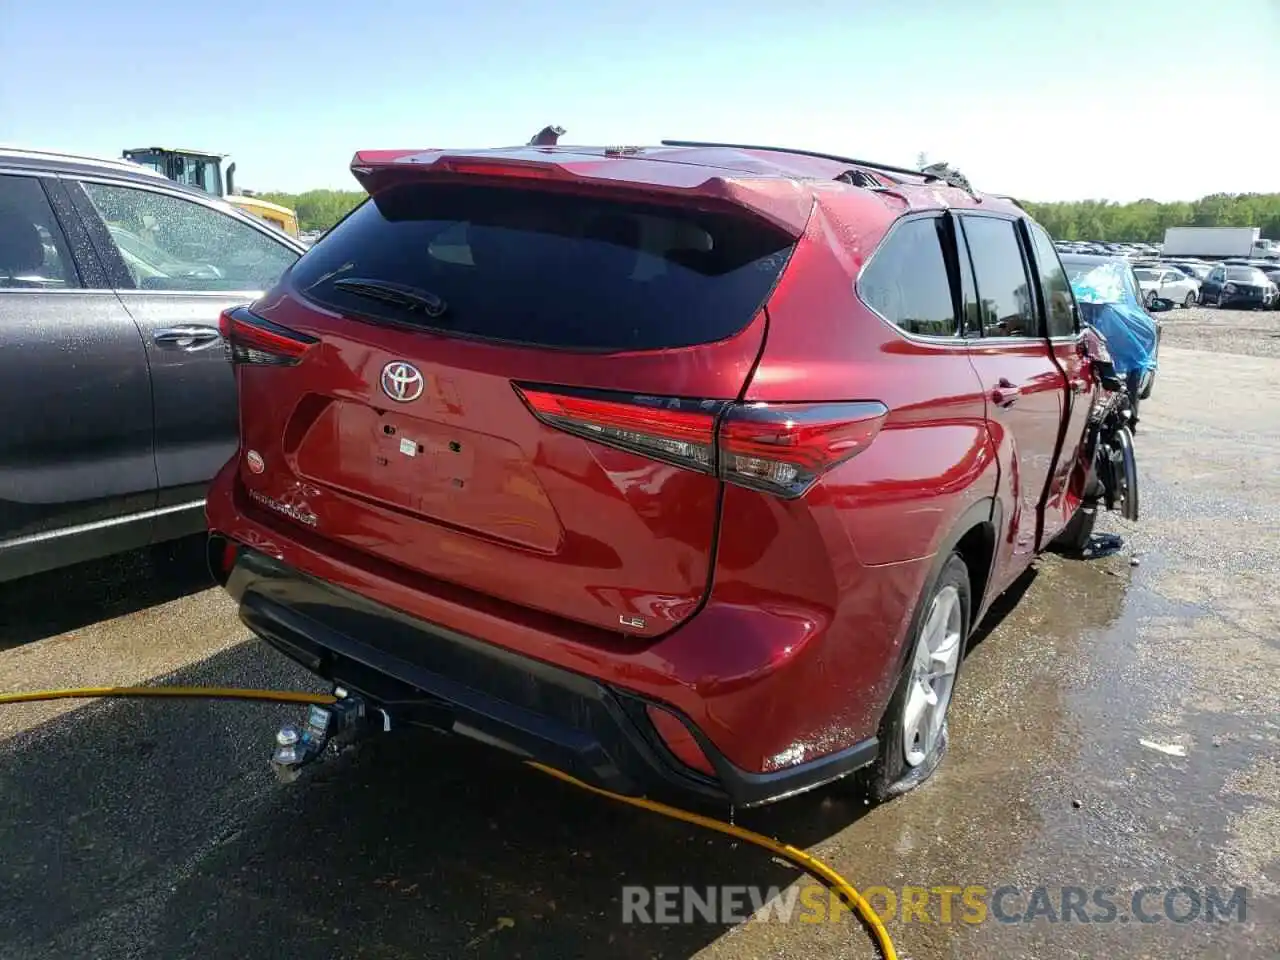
189 337
1005 393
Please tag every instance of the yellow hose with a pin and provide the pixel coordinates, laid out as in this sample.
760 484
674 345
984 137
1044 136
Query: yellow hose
208 693
797 857
824 874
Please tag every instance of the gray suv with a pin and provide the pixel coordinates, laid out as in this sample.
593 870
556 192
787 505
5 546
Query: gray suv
117 403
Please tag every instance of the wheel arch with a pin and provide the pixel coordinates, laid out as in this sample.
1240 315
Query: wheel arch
973 535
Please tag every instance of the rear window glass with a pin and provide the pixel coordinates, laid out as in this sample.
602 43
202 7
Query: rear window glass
906 281
545 268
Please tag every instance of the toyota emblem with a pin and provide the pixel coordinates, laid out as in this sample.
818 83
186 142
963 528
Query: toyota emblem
402 381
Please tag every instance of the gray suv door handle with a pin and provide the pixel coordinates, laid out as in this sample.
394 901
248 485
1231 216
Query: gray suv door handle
193 336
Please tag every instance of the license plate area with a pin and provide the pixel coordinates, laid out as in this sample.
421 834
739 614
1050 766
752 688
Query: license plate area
422 453
426 471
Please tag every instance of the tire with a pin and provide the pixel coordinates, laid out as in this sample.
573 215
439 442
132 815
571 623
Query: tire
1075 536
1127 464
1150 298
906 762
1148 384
1190 301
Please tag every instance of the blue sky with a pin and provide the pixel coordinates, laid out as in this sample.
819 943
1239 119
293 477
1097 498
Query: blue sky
1044 100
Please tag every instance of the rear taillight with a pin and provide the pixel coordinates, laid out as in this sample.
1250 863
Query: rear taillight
779 448
783 448
250 338
675 431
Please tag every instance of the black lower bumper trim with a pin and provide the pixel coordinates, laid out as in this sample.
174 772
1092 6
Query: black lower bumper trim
431 675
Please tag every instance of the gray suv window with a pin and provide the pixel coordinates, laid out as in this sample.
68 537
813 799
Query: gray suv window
170 243
33 253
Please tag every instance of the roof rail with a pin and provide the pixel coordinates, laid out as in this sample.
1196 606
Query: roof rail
887 168
111 162
1014 200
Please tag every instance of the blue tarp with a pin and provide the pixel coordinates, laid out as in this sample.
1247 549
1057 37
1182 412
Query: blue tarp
1112 305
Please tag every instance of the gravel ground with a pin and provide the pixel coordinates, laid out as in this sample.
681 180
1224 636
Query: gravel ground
1252 332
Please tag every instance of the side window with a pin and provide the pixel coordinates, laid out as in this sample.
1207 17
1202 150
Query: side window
1008 309
1054 286
907 282
33 252
169 243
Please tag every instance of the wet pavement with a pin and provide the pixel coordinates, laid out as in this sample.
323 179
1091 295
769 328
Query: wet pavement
1115 731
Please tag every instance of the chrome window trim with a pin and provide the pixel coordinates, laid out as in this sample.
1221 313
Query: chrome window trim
932 339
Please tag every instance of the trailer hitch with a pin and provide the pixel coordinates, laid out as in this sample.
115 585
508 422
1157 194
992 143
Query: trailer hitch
328 730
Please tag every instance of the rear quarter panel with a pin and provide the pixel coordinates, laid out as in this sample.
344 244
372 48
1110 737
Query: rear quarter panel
933 458
841 570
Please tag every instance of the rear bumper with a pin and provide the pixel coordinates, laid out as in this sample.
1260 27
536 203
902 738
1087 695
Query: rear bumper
444 679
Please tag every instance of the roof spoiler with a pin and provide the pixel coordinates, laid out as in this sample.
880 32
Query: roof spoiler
776 201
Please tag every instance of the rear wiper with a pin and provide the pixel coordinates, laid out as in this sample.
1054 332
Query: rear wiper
408 298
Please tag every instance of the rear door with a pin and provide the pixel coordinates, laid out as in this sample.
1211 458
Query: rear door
474 344
75 435
1061 319
176 263
1024 383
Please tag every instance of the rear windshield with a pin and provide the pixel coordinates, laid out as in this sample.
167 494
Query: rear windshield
547 268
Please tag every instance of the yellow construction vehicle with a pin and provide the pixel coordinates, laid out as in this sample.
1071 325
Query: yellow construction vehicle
203 171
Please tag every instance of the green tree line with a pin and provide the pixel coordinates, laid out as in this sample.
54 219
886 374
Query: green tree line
316 209
1146 220
1142 220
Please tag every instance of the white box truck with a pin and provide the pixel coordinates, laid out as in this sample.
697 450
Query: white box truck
1215 243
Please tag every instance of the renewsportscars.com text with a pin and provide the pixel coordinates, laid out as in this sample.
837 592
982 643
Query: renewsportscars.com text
972 904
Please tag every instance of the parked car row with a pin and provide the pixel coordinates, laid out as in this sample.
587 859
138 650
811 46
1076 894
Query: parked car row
1187 281
1109 249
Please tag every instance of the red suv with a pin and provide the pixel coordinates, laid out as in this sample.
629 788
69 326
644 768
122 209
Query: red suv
689 466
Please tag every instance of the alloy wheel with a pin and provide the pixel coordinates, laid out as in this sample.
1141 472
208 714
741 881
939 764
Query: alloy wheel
933 675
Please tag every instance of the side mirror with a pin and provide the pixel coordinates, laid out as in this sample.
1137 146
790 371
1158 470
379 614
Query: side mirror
1159 305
